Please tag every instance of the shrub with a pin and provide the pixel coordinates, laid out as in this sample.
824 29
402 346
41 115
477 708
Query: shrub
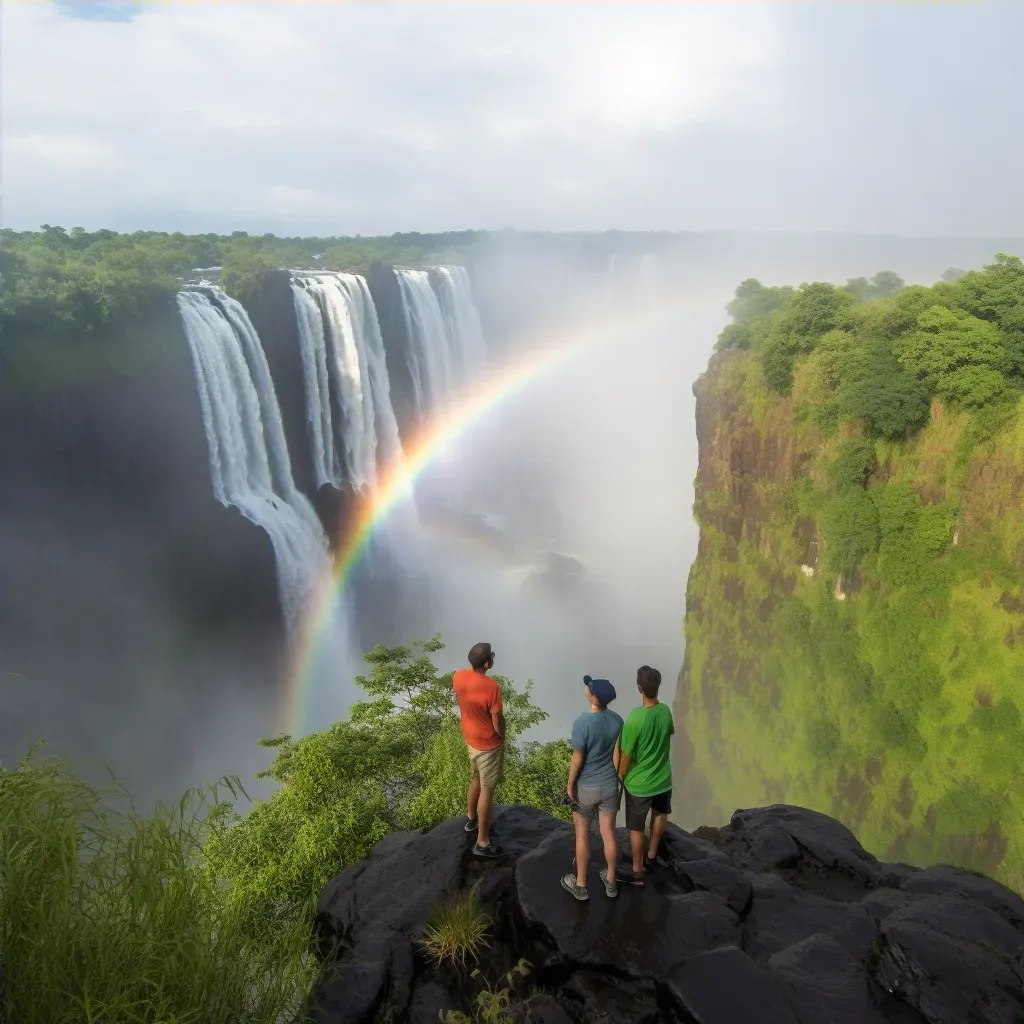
456 931
854 463
850 525
492 1005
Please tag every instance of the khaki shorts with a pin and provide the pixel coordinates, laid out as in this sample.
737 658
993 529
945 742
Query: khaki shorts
486 764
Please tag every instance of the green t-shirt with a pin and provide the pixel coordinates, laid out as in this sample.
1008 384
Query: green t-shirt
646 737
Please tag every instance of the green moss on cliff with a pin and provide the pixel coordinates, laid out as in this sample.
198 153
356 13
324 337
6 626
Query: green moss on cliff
855 616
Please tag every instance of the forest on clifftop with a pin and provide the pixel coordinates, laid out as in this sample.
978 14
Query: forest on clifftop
855 615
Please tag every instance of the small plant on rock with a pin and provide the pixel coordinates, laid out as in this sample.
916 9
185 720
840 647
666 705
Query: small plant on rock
492 1005
456 931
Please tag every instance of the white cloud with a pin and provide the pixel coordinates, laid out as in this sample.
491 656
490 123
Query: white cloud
376 117
489 113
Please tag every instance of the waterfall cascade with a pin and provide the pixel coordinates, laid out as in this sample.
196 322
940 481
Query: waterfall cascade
249 460
446 344
352 426
350 419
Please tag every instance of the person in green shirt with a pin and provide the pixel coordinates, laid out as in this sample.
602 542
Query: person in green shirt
646 770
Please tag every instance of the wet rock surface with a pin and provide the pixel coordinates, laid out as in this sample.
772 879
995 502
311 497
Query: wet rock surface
780 916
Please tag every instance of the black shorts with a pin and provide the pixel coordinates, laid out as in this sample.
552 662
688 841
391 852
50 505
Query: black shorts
637 808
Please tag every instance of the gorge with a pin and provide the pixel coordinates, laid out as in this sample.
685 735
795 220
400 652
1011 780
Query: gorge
557 525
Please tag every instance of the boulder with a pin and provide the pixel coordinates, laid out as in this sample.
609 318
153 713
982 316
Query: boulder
823 983
780 835
781 915
428 1001
644 932
944 880
724 986
721 878
954 960
828 936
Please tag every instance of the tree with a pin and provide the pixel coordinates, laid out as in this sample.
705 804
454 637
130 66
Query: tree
891 403
882 285
399 762
814 310
955 355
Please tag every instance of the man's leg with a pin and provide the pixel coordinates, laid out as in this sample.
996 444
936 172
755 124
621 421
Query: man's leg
484 805
658 823
582 848
473 797
661 808
636 845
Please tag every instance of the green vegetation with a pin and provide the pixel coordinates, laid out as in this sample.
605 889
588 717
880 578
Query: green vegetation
456 930
492 1005
108 917
855 623
199 913
79 280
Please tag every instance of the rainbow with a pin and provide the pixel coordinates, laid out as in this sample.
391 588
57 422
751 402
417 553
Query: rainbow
396 486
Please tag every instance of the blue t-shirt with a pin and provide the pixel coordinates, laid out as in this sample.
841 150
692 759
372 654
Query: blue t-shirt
595 733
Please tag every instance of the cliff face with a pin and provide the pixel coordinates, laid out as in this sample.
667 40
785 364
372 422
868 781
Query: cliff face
886 694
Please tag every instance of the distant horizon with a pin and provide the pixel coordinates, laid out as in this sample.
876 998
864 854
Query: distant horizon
662 232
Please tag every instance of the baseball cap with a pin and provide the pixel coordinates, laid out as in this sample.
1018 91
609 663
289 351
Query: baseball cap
602 689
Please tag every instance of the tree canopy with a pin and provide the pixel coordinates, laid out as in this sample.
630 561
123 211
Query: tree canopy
878 351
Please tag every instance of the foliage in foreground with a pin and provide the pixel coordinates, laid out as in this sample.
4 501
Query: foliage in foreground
109 918
456 930
399 762
197 914
492 1004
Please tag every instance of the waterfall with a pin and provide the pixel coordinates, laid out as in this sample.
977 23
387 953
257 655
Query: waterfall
348 394
446 341
462 322
429 356
249 461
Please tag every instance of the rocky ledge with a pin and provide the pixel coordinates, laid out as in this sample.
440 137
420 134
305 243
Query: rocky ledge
781 917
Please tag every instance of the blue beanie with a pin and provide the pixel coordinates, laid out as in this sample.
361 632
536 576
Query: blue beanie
602 689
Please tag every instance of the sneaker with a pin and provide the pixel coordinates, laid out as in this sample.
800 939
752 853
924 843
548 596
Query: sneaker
489 851
611 887
470 825
570 886
631 877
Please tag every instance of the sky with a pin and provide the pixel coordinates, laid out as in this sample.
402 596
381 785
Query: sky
324 117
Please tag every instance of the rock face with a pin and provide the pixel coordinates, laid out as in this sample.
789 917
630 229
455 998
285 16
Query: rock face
781 917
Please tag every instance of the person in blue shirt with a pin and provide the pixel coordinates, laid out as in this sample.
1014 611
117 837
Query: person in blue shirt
594 784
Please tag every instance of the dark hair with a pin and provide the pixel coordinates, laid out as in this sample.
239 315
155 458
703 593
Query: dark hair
649 681
480 655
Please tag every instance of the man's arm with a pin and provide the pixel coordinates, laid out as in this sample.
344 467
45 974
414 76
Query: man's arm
617 755
575 767
498 713
623 764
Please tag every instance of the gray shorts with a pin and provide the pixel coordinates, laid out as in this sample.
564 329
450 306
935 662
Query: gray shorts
603 798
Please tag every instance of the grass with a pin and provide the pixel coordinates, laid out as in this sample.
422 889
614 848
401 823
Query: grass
110 918
456 931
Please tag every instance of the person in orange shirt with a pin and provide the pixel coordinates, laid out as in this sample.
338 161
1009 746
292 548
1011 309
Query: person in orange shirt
483 728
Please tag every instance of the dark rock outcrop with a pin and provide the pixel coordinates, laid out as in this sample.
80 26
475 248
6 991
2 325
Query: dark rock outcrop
781 917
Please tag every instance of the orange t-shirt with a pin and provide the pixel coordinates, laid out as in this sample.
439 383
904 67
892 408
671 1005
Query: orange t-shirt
479 697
